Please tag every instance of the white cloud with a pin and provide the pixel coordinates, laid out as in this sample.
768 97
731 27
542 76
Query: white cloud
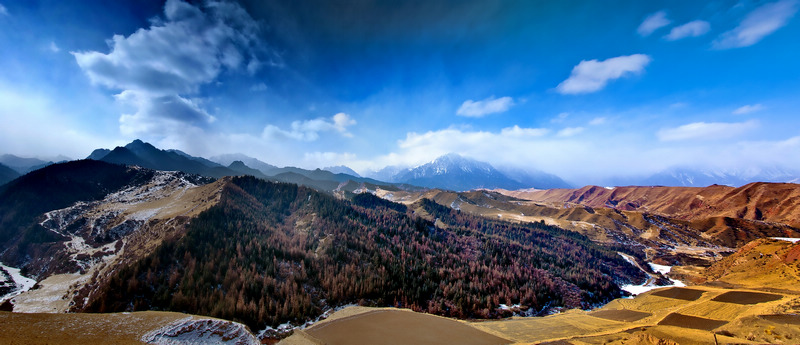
3 10
341 121
691 29
28 114
566 157
160 115
606 155
53 47
598 121
678 105
485 107
258 87
309 130
157 67
570 131
749 108
759 23
652 23
187 49
517 131
593 75
559 118
323 159
706 130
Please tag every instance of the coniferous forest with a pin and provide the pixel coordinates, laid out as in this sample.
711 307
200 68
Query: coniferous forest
269 253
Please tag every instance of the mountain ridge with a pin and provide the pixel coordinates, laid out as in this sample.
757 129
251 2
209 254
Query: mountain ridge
757 201
7 174
454 172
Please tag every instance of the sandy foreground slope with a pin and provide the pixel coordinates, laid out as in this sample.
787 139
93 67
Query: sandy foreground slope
119 328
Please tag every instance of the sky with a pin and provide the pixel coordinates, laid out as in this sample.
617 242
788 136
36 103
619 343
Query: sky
586 90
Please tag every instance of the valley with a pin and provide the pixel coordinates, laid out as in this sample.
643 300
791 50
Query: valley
281 260
733 308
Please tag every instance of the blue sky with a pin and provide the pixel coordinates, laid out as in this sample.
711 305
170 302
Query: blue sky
583 89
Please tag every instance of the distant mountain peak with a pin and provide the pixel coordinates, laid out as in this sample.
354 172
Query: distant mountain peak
453 162
456 172
138 145
237 164
452 171
341 169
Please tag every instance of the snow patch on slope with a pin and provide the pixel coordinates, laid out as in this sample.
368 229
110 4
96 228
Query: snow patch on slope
649 284
201 332
14 282
790 239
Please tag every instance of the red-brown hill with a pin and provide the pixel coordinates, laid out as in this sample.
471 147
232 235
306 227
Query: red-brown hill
769 202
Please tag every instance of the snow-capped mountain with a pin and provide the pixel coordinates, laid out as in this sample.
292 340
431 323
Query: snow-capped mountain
532 178
730 177
388 174
455 172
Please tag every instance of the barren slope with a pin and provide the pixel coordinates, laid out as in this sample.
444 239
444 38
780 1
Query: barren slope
673 241
769 202
97 236
148 327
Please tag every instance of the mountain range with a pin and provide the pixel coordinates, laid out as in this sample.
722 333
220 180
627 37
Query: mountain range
23 165
7 174
451 171
686 177
458 173
116 238
135 229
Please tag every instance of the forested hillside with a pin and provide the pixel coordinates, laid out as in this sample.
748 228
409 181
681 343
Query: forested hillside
273 252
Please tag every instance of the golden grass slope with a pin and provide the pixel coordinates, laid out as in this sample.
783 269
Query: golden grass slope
645 319
763 264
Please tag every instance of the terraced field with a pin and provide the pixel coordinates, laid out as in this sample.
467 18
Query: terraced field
682 315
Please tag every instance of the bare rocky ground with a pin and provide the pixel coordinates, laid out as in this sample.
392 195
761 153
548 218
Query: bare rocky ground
104 234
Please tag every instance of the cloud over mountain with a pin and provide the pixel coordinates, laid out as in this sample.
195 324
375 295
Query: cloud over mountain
309 130
157 67
706 130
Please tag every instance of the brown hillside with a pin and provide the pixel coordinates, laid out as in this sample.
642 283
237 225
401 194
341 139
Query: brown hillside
764 264
675 240
769 202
